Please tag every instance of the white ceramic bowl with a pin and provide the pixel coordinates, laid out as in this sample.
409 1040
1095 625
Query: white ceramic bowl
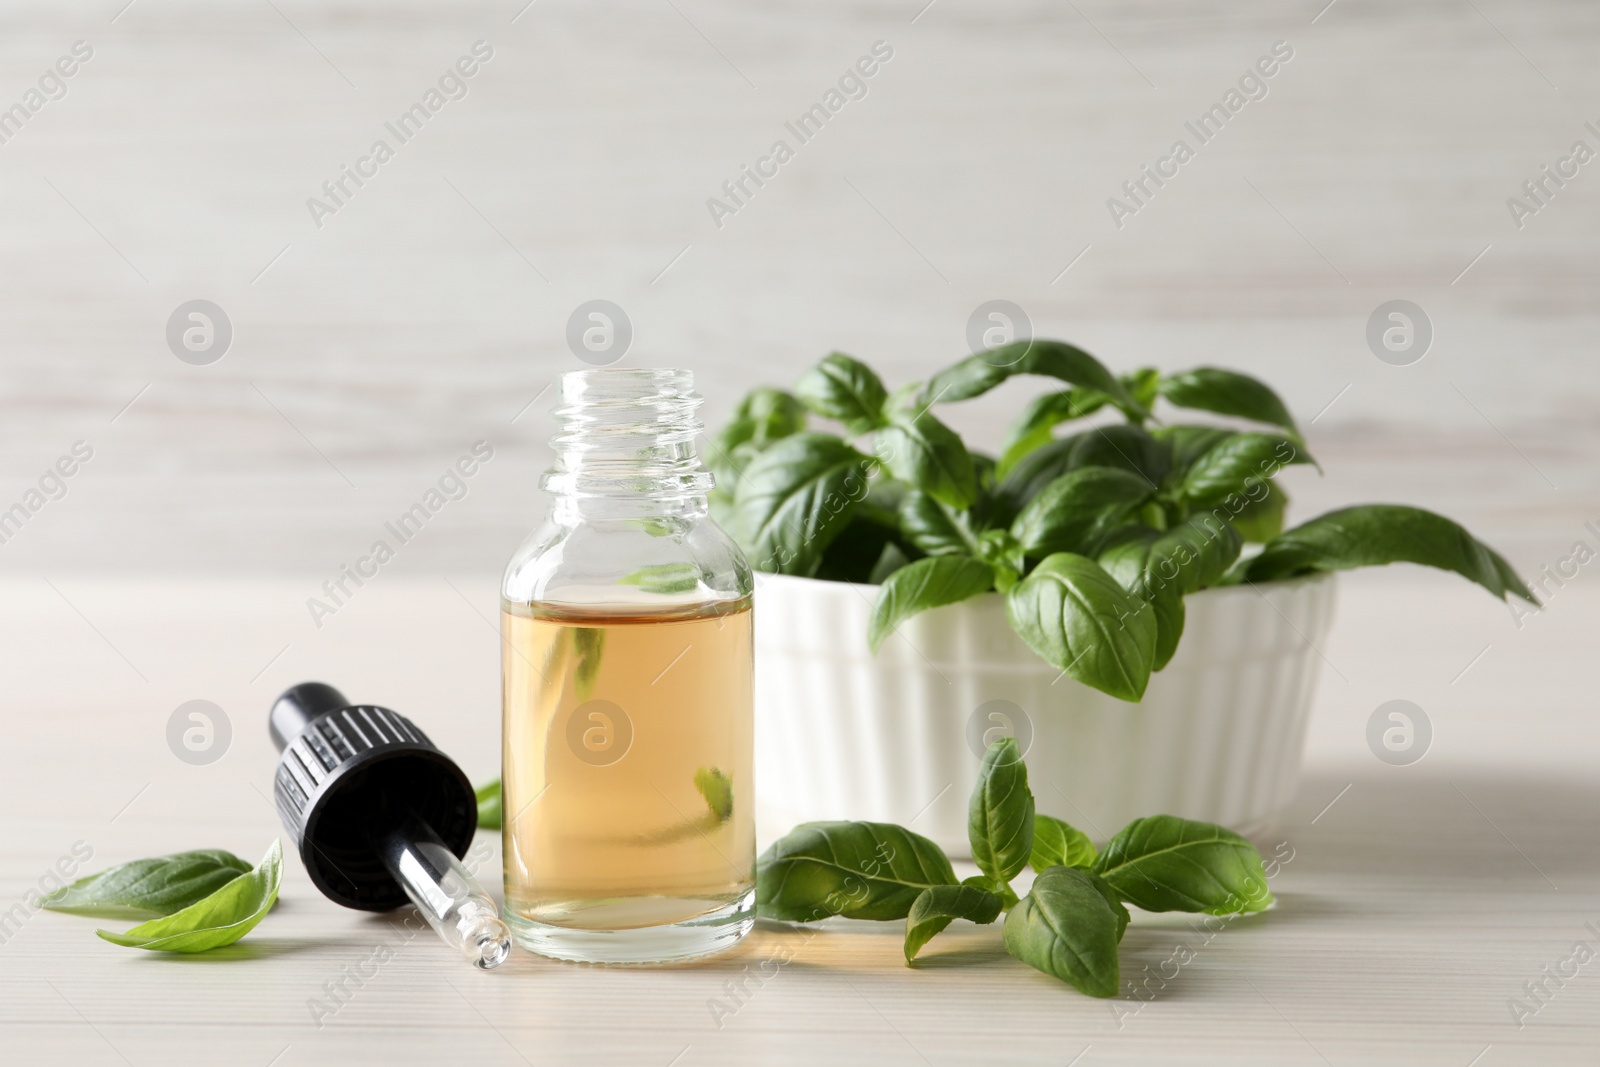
841 734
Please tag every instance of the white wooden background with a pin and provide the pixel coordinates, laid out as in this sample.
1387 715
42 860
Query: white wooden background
431 310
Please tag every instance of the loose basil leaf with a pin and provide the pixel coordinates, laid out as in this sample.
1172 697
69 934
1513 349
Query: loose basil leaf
1261 518
716 789
935 908
927 583
861 870
1234 464
1000 813
1067 928
1164 863
843 388
664 578
926 454
1128 447
1042 414
1059 844
1003 890
489 805
146 888
1118 909
977 374
934 528
1076 616
1372 535
1076 511
1228 392
211 922
588 642
794 499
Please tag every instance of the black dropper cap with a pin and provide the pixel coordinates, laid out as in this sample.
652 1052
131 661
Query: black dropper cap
348 775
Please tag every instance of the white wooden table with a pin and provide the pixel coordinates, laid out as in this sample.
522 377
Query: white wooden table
1417 903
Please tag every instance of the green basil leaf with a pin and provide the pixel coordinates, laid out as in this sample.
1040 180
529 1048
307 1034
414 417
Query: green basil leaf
1059 844
1260 519
927 583
1000 813
1372 535
588 642
1191 555
1143 385
763 416
489 805
1164 863
211 922
1066 927
935 908
1114 901
934 528
977 374
1164 567
926 454
1041 415
1076 511
1077 618
716 788
1170 618
891 559
1228 392
1186 443
1005 557
146 888
1126 447
794 499
1003 890
1235 464
664 578
861 870
843 388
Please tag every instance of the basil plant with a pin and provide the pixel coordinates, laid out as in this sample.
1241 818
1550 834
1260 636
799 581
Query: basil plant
1094 537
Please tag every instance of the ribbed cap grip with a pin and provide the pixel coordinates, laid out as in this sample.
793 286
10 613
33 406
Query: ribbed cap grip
346 775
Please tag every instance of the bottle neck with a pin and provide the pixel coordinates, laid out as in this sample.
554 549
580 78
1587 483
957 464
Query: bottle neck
626 446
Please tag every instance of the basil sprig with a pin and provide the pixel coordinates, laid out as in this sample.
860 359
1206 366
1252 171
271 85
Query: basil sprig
213 921
149 888
1071 920
1163 507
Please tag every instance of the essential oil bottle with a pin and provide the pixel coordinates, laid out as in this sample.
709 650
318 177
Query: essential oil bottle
629 823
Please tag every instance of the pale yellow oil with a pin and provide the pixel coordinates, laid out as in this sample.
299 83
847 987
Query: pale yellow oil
628 751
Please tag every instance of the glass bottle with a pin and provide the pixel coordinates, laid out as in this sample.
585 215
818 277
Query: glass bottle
629 822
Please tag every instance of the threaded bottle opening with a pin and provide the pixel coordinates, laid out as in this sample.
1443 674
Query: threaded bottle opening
627 432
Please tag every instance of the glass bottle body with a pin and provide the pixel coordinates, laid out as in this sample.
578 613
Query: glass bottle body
629 830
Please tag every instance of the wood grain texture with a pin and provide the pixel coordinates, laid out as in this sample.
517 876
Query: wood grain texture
1415 903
